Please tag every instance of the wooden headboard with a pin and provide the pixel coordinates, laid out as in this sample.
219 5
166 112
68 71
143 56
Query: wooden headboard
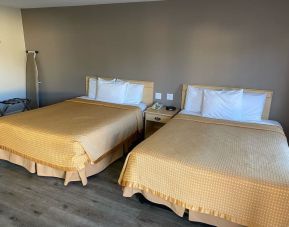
267 107
148 93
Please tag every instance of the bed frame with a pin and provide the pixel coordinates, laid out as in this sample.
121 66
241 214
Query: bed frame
267 107
148 93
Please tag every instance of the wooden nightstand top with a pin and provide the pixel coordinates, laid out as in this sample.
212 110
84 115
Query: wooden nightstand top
162 112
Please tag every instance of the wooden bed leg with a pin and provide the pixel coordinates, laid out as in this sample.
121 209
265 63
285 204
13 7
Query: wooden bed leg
83 177
67 177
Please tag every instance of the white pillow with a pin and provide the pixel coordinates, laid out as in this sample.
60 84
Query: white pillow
253 106
92 87
134 93
223 104
194 99
111 92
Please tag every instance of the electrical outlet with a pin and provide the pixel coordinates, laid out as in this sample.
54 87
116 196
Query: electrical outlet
170 96
158 96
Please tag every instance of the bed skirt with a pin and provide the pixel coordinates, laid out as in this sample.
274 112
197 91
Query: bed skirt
193 215
69 176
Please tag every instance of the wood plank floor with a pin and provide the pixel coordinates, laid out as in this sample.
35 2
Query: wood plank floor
29 200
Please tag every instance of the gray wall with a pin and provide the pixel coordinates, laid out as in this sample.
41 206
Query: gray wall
241 43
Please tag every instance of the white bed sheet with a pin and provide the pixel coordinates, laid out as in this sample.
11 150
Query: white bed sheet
141 105
264 122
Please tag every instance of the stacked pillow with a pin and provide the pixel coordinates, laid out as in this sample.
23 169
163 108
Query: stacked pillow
253 106
225 104
111 91
92 85
115 91
194 99
134 94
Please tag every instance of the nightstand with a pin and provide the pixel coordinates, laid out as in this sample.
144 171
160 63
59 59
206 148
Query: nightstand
155 119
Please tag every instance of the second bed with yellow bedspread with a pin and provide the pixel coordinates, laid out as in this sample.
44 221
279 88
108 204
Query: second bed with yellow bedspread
235 171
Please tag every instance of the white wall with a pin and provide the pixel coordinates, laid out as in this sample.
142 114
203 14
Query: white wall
12 54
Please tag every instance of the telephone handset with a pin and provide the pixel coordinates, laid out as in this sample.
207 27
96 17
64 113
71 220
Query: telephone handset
157 106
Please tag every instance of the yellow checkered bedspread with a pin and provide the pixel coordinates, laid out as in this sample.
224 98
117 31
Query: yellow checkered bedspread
70 134
236 171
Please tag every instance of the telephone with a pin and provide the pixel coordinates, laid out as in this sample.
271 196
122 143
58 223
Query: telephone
157 106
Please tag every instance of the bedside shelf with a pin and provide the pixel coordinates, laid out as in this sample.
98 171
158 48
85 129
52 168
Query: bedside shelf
155 119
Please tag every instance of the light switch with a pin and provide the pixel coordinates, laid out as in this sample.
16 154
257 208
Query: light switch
170 96
158 96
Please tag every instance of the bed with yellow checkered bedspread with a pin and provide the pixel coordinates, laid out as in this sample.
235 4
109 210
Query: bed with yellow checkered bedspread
235 171
68 135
